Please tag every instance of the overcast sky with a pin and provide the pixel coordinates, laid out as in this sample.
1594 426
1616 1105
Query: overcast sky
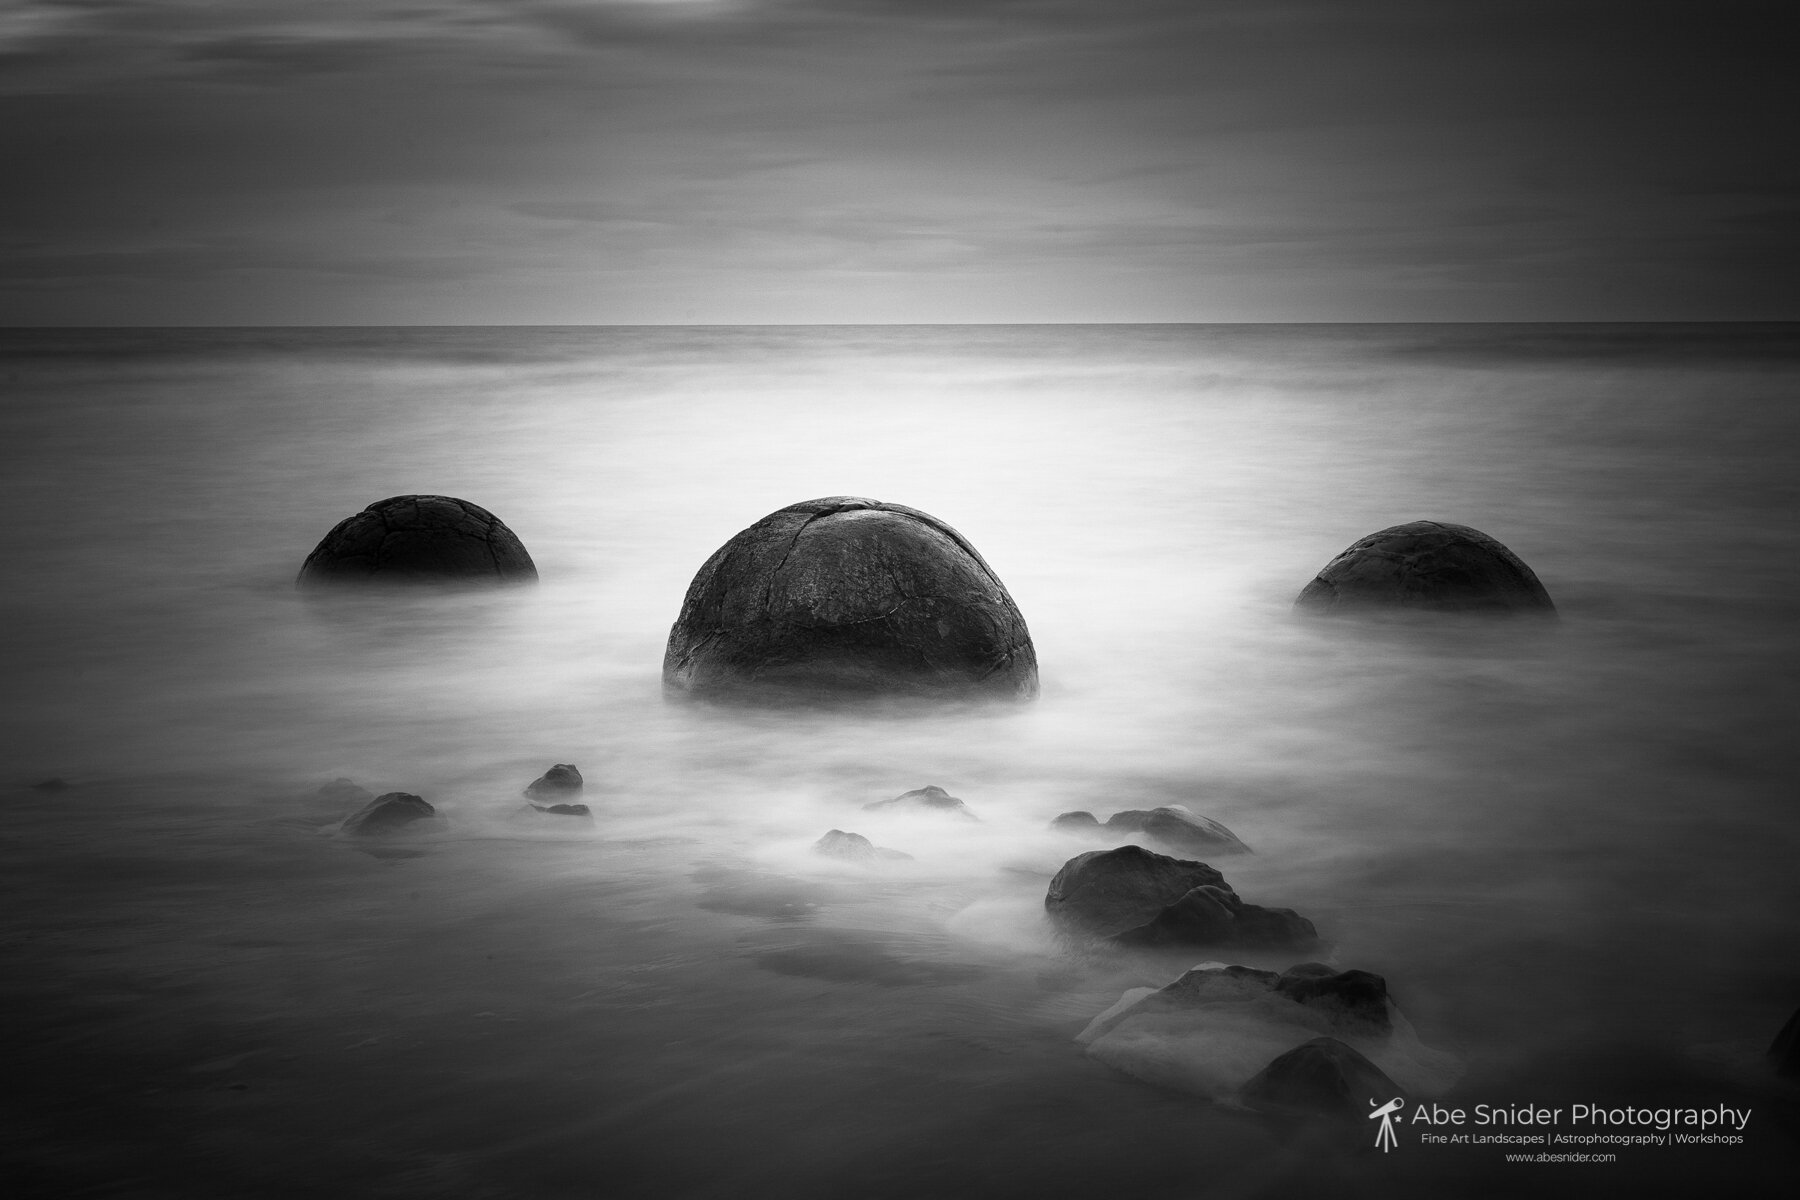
728 161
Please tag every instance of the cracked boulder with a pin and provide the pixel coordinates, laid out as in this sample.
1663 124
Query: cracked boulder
845 597
1426 565
411 540
1136 897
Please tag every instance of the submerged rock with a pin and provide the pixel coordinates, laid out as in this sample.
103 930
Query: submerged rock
1137 897
1428 565
565 810
1217 1027
929 798
51 785
1175 826
1323 1077
555 786
411 540
1076 822
854 847
344 793
845 597
387 813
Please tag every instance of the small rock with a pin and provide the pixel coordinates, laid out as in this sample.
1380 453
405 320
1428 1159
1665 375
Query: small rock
387 813
1323 1077
853 847
555 785
929 798
1076 822
565 810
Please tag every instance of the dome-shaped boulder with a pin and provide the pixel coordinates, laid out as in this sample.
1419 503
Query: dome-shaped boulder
1430 565
419 539
845 597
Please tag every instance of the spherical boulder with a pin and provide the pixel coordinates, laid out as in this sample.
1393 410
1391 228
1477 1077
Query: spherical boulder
1430 565
418 540
846 597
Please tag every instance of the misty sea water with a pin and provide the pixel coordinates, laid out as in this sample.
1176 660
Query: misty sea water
1569 847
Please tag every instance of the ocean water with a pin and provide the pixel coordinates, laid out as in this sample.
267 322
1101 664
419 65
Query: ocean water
1568 847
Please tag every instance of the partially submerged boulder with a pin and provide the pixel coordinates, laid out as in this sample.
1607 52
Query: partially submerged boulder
387 813
1076 822
854 847
846 597
412 540
555 786
1174 826
1320 1078
929 798
1136 897
1426 565
1217 1027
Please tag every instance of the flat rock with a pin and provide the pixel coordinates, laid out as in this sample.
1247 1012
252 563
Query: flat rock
418 540
1320 1078
845 597
387 813
1218 1026
929 798
1426 565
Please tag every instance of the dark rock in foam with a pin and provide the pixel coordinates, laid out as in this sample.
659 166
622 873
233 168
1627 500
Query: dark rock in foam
849 597
412 540
1426 565
1136 897
387 813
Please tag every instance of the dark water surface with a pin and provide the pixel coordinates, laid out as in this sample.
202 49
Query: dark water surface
1570 849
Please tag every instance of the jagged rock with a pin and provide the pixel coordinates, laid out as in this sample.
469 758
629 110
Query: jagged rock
418 540
1076 822
854 847
1107 892
1217 1026
846 597
1137 897
1323 1077
929 798
555 786
1175 826
1426 565
387 813
1784 1052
